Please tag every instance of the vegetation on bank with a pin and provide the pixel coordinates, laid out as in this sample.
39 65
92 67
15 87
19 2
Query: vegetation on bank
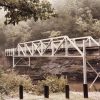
55 84
9 83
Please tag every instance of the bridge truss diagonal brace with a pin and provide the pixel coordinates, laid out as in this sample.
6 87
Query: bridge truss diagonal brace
37 47
20 59
74 45
94 41
27 48
20 49
97 74
61 42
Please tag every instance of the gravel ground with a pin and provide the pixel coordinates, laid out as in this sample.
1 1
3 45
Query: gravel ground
58 96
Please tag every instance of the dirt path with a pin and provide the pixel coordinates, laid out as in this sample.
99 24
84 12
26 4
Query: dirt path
58 96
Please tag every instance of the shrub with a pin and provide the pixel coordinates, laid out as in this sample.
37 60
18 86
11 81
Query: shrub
1 71
9 83
55 85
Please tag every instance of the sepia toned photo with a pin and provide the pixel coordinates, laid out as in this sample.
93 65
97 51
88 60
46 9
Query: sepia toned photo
49 49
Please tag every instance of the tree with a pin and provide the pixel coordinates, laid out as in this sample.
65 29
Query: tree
19 10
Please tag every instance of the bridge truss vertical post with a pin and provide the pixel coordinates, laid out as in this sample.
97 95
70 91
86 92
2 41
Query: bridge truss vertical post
66 47
52 47
90 43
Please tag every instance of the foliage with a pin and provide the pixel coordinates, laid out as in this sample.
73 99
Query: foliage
96 28
10 82
18 10
55 84
1 72
55 33
87 24
75 19
1 97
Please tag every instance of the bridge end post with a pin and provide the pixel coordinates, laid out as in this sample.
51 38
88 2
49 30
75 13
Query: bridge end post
85 86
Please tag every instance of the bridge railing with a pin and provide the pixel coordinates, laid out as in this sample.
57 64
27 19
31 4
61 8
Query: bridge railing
10 52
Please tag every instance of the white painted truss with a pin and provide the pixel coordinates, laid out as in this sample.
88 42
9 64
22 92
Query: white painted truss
51 46
55 47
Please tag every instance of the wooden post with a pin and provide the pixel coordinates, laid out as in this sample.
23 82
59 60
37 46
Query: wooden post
46 91
85 89
67 91
20 92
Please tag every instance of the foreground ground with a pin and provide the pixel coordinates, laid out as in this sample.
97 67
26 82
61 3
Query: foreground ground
58 96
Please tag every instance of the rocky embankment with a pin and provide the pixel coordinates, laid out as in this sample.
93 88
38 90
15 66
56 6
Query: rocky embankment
40 67
72 68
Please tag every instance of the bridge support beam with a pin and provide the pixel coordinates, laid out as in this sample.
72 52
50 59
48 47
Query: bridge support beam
84 64
85 86
18 60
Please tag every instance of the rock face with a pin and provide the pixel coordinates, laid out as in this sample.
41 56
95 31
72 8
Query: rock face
4 62
72 68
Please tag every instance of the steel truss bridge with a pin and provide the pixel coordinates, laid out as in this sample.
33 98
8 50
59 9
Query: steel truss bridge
62 46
